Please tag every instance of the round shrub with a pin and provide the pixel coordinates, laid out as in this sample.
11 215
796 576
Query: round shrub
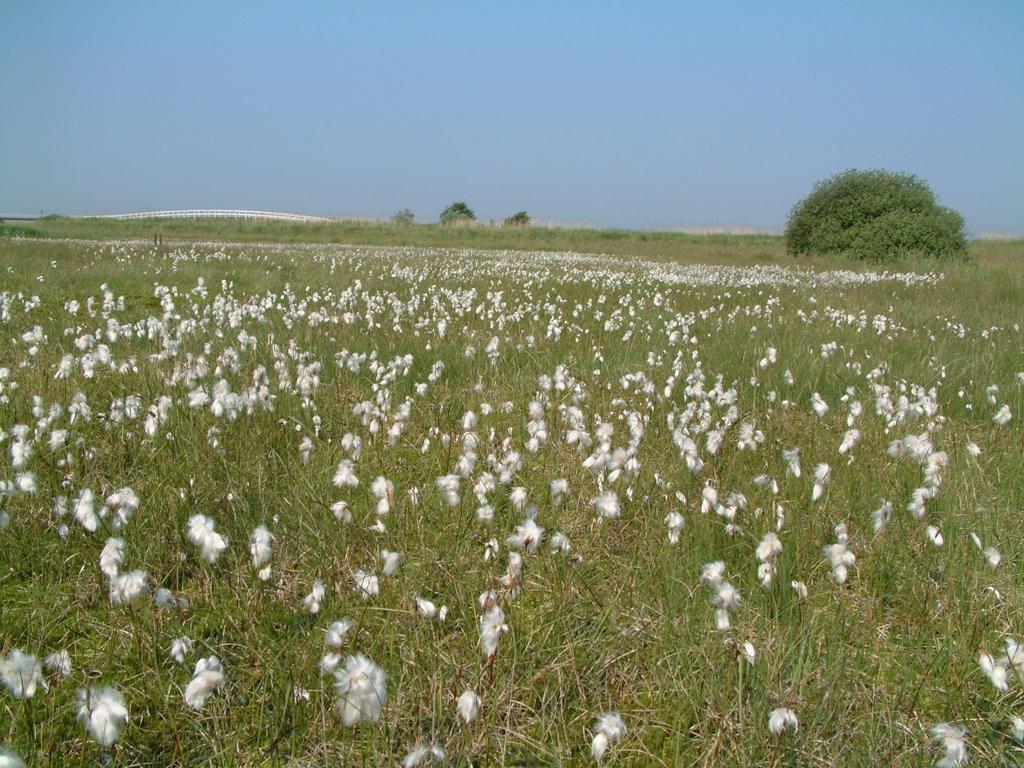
457 213
404 217
518 219
876 215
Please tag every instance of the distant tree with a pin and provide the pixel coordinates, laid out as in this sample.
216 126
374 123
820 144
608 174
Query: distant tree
877 215
404 217
519 219
457 213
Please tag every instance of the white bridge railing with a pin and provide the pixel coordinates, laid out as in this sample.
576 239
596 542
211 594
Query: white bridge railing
212 213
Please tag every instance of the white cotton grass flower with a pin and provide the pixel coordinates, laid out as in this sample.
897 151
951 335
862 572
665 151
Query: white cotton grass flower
515 570
748 653
995 670
336 633
607 505
750 437
918 499
260 549
202 533
329 663
792 458
822 476
59 663
712 574
839 556
763 481
973 449
345 475
951 740
782 719
880 517
448 486
492 627
163 598
390 562
124 502
1015 655
362 690
726 599
767 550
609 728
207 678
353 444
1017 729
800 588
992 557
485 513
518 498
341 512
126 587
101 710
180 648
10 759
559 488
769 547
111 557
934 535
527 537
560 543
675 523
708 499
306 448
1003 416
850 439
991 554
819 405
429 610
22 674
25 482
367 585
487 600
315 597
84 510
468 706
421 755
384 491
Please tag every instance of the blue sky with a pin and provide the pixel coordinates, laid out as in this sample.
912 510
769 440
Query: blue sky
630 114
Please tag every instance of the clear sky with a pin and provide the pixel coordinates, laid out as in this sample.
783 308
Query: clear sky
632 114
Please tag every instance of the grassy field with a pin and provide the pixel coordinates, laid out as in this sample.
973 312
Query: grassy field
673 245
232 381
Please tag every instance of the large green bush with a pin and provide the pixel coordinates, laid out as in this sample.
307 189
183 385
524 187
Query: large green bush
457 213
877 215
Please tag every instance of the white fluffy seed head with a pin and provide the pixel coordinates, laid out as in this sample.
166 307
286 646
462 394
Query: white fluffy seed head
468 706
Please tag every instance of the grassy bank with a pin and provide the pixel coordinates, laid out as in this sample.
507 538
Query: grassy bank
611 241
667 246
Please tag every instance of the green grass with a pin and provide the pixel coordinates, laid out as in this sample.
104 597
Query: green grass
624 242
868 666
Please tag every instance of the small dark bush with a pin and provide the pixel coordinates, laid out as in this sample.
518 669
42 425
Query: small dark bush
457 213
876 215
403 217
518 219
